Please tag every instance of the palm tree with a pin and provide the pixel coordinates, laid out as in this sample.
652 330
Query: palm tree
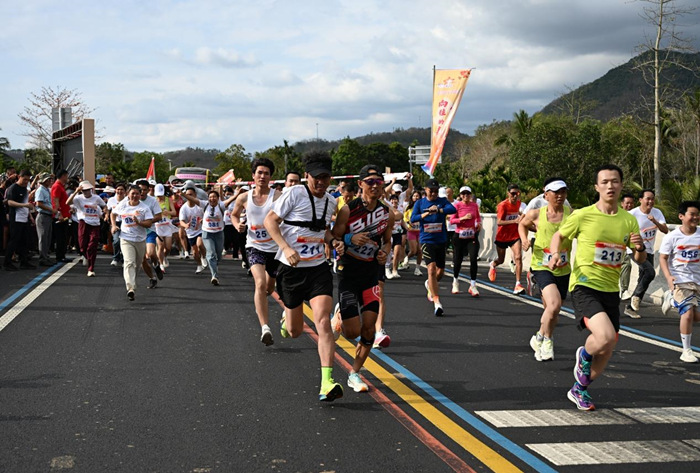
522 124
4 143
693 101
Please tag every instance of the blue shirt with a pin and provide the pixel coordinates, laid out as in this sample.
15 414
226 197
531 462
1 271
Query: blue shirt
432 227
43 195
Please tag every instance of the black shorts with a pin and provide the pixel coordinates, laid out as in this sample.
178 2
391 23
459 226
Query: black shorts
506 244
267 259
434 254
296 285
358 290
381 274
396 239
193 241
588 302
544 278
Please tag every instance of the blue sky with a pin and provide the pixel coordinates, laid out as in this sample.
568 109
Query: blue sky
167 74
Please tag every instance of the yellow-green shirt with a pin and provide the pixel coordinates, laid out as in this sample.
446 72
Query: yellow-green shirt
601 247
540 250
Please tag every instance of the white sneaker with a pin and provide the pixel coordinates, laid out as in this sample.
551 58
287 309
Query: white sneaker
356 383
547 350
439 311
83 260
395 275
688 356
405 260
199 269
667 302
182 255
166 263
204 262
625 295
536 346
187 255
388 274
418 272
91 274
634 303
266 337
512 266
455 287
114 263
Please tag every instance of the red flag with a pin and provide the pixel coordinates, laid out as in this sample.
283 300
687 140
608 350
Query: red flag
151 174
227 178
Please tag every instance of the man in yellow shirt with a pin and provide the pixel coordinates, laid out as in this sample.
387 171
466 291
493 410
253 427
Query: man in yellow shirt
603 233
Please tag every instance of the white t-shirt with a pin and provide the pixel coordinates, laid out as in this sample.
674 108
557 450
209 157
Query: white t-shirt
130 230
153 204
539 202
295 205
213 217
112 203
684 255
647 228
227 214
89 209
193 217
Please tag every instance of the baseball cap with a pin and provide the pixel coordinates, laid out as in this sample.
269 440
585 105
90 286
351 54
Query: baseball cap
316 168
396 188
369 170
432 184
159 190
465 189
555 186
44 176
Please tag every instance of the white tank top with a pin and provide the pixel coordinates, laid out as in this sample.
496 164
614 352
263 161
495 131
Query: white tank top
258 237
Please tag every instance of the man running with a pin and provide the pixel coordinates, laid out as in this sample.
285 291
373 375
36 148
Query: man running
553 283
650 219
627 203
303 273
430 211
364 224
603 232
260 247
151 264
507 217
90 208
191 216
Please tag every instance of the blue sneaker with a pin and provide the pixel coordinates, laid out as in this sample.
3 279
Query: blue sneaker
330 392
582 369
581 398
356 383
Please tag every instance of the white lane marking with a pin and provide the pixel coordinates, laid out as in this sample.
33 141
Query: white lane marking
663 415
553 418
19 307
637 451
570 315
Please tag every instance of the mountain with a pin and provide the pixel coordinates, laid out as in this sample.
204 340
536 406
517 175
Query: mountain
623 90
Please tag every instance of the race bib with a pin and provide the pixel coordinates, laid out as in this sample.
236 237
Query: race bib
511 217
649 234
688 254
91 211
309 248
608 254
432 227
547 256
128 219
259 234
213 224
194 223
365 252
466 233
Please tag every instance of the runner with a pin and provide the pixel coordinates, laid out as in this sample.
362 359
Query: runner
553 284
303 273
292 178
628 201
682 247
467 222
507 217
413 234
164 226
112 202
151 264
191 215
603 232
430 211
136 217
398 233
650 220
364 225
90 208
260 248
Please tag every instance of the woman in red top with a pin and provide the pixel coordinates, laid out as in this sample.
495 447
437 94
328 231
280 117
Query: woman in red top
466 238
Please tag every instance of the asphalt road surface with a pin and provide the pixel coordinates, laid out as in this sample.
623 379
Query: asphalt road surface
178 381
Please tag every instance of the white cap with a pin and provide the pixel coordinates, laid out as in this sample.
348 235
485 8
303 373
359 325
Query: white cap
189 185
396 188
109 190
159 190
442 192
465 189
86 185
555 186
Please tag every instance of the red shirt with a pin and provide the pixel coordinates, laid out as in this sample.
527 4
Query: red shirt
507 211
59 198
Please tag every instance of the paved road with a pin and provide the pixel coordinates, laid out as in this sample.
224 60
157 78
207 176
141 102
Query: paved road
178 381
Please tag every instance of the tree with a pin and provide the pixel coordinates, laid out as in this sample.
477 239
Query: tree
235 157
37 160
285 158
36 117
4 143
693 104
662 15
141 162
521 124
349 157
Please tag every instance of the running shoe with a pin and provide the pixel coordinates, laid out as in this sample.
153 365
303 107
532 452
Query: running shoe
518 289
356 383
581 398
403 266
688 356
381 339
83 260
91 274
395 275
667 302
266 337
536 346
418 272
130 295
162 268
473 291
166 263
283 327
455 287
547 351
214 281
388 274
336 322
159 272
114 263
625 296
630 312
430 296
152 283
634 303
512 266
439 311
199 269
492 272
330 392
205 263
582 369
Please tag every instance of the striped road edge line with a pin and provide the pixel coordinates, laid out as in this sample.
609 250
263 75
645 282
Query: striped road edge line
19 307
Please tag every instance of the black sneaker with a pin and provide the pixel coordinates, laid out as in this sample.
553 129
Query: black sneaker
156 268
215 281
130 295
153 283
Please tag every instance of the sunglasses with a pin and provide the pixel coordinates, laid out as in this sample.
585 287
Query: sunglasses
514 193
466 193
373 182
